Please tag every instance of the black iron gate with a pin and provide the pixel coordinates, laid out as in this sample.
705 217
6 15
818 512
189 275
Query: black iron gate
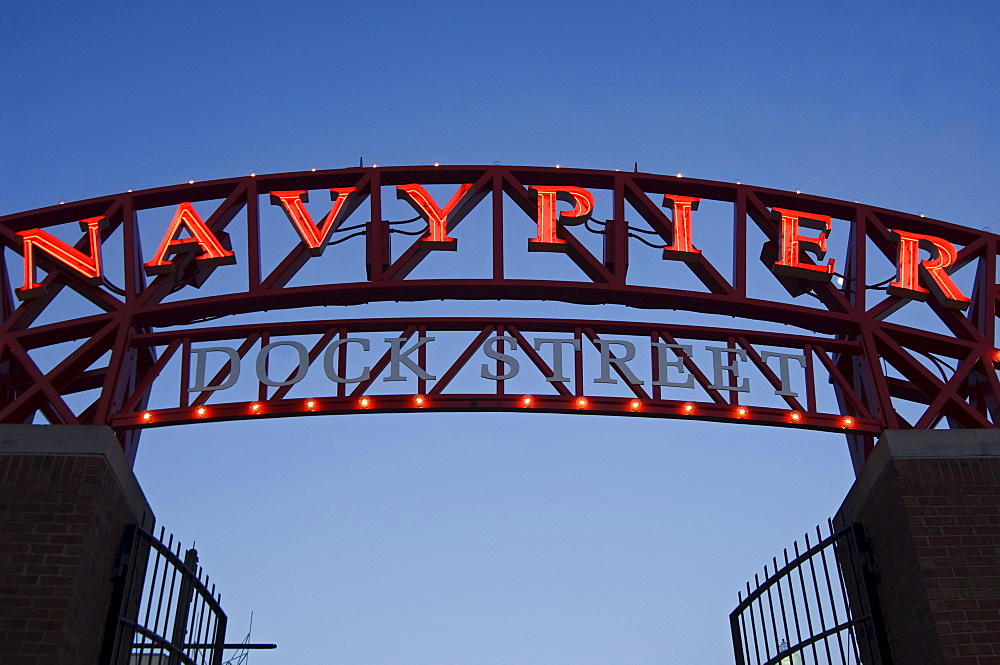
818 608
163 612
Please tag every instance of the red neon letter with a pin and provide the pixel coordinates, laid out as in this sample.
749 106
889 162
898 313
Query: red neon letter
437 219
789 262
88 266
911 268
315 237
583 203
212 251
682 248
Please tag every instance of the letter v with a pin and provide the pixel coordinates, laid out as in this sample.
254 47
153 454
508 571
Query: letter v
315 237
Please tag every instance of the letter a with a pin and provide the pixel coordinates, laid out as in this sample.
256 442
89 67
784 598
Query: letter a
212 253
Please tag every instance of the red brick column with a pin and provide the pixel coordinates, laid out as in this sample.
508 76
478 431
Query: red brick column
930 503
66 494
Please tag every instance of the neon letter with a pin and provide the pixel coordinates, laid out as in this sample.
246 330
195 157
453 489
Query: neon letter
399 356
212 253
682 248
502 357
88 266
789 262
315 237
583 203
607 361
199 369
437 219
911 268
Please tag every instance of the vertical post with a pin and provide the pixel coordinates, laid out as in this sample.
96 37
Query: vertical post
498 227
253 235
740 242
184 597
616 235
376 233
734 628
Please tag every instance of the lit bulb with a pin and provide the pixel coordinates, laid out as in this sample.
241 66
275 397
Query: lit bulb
680 175
255 408
741 412
688 409
526 401
795 416
202 412
311 404
190 182
437 163
419 401
581 402
147 416
253 174
634 405
365 402
847 422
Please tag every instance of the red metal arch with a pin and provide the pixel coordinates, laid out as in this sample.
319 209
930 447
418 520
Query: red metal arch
946 378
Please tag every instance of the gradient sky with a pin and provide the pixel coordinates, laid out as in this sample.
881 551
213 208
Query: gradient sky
482 539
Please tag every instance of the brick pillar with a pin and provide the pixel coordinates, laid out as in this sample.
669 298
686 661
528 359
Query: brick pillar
66 495
930 503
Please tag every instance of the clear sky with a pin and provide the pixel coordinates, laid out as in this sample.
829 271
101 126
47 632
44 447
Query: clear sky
499 539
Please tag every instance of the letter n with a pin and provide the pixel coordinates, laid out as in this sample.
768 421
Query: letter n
88 266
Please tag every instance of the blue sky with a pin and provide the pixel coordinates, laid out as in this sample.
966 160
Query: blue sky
488 539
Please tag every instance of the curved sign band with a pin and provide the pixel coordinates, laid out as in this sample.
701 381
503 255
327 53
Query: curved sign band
104 302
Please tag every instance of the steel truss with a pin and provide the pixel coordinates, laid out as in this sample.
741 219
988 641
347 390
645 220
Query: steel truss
951 377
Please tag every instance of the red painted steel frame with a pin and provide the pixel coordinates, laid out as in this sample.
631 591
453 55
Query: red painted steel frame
117 358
